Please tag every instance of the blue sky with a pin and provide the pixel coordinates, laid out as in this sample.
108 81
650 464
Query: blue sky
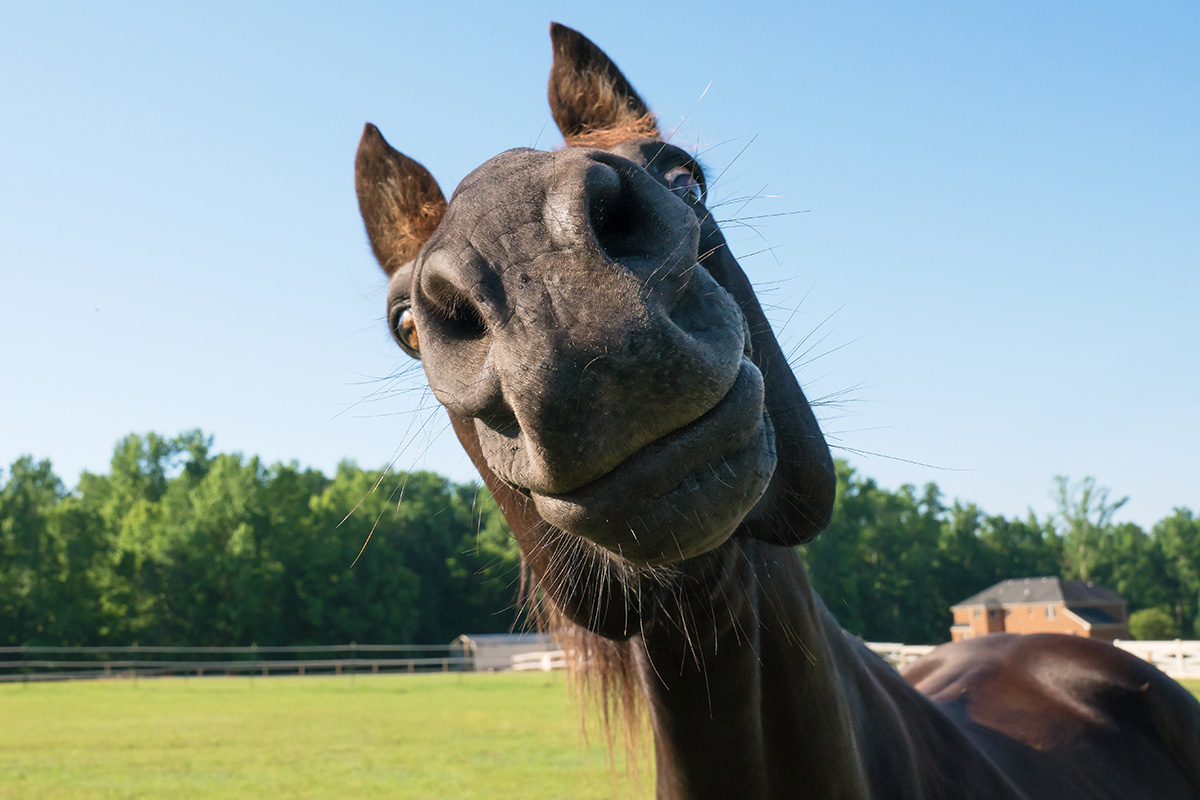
995 257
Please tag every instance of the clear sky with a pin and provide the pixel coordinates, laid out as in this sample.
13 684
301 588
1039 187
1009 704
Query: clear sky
998 244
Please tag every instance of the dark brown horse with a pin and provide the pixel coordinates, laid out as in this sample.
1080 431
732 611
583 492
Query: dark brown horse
607 367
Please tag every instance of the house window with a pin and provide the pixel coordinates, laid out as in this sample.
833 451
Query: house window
1029 611
979 612
1051 612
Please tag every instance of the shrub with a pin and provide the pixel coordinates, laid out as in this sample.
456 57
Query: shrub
1153 623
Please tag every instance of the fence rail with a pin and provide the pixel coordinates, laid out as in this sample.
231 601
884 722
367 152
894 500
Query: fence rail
899 655
545 661
34 663
1177 658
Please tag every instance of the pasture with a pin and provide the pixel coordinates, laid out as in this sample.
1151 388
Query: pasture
405 736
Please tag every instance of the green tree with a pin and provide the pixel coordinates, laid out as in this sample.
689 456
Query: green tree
832 559
1019 548
1086 515
965 565
31 556
484 567
176 545
879 548
1153 624
338 594
213 578
1179 537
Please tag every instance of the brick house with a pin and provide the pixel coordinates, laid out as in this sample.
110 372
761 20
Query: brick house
1041 605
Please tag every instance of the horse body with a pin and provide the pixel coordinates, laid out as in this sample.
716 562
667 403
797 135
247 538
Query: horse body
608 369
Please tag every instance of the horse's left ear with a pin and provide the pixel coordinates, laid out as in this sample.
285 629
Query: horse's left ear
590 96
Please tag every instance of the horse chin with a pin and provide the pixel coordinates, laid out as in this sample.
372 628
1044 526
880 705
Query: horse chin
684 494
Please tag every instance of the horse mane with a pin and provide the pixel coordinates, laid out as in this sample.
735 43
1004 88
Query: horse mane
601 673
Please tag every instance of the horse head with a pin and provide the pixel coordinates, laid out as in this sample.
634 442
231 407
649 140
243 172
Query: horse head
600 352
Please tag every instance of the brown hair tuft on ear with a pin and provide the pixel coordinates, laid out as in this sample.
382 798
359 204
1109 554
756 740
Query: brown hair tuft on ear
641 127
593 104
400 202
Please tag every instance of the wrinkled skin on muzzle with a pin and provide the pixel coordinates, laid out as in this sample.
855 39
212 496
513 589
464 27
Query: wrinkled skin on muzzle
600 352
558 301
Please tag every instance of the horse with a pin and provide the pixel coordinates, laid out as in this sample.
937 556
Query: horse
607 368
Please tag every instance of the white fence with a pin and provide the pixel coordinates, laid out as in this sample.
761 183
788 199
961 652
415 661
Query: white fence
544 661
1176 657
899 655
894 653
1179 659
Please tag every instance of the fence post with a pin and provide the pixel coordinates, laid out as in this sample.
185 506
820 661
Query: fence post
1179 658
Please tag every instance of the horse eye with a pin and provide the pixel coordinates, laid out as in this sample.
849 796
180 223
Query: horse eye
683 182
406 333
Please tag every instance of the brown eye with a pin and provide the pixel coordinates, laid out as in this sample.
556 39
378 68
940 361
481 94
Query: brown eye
682 181
406 333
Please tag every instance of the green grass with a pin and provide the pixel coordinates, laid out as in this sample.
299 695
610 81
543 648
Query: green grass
1192 686
406 736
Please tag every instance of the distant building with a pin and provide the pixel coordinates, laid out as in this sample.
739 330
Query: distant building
1042 605
493 652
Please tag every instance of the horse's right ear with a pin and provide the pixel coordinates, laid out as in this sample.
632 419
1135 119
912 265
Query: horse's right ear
589 97
400 202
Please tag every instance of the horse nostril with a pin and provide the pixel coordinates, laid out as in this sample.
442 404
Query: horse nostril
462 320
455 314
622 220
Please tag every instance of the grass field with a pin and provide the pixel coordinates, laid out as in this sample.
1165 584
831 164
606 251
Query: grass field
406 736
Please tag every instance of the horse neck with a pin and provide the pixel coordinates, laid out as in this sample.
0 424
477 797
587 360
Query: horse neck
760 698
763 695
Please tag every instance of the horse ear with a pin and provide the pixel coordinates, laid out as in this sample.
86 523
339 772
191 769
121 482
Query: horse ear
400 202
590 98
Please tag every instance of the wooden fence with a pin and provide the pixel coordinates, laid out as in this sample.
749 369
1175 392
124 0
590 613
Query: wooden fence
32 663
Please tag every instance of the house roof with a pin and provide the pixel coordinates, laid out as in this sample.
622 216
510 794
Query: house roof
1095 618
1042 590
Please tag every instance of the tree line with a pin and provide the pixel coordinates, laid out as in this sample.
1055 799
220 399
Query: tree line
892 563
176 545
